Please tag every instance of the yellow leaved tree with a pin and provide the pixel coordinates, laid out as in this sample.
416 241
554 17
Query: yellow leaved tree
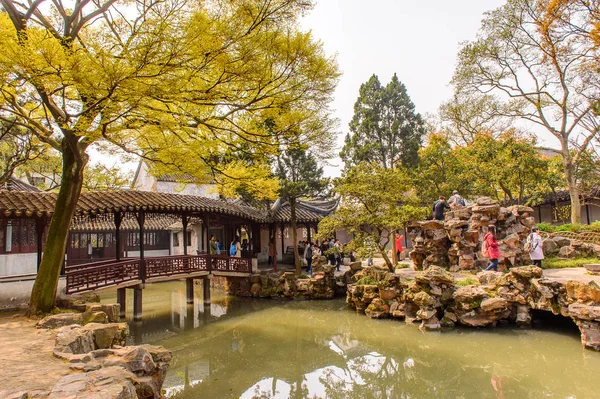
191 86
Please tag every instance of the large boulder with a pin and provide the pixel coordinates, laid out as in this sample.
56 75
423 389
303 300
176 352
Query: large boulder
106 383
73 339
580 292
59 320
561 241
550 246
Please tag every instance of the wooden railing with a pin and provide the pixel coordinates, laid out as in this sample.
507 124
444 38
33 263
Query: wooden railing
86 279
231 264
169 265
95 275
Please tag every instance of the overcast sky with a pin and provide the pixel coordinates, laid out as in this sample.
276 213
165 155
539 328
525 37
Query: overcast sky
418 40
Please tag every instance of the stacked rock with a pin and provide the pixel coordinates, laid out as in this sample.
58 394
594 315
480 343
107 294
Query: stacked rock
456 242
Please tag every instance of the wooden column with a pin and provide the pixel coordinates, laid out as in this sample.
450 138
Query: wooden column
141 217
122 301
282 244
206 291
587 213
308 234
189 290
40 225
208 259
137 303
118 218
184 223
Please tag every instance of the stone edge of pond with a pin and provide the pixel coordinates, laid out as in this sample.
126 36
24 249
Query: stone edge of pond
93 343
436 300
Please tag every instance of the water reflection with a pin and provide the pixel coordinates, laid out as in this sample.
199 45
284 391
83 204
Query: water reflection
269 349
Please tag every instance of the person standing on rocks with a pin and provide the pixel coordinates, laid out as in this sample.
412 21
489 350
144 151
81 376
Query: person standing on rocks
438 208
399 239
537 250
490 245
456 199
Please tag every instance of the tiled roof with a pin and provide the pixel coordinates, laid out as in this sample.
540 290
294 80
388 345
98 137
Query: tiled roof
306 211
14 184
157 222
17 203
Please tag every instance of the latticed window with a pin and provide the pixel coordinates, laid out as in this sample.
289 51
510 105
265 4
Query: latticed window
562 214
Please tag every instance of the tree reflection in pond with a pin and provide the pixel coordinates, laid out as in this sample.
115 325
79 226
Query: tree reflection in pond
271 349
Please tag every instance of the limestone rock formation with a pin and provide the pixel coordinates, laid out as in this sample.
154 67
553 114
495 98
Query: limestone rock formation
435 300
456 242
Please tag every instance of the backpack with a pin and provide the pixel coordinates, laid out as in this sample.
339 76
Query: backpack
461 201
232 249
309 253
485 250
528 247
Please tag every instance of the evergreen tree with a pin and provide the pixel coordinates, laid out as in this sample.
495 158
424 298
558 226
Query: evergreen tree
385 128
299 176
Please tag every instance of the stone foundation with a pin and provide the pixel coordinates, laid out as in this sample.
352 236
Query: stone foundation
323 284
435 299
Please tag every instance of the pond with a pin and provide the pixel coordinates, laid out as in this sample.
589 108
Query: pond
252 348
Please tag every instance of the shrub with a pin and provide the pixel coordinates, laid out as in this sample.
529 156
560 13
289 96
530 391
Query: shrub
366 280
467 281
547 227
561 263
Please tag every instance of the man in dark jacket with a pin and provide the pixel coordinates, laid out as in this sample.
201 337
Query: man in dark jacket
438 208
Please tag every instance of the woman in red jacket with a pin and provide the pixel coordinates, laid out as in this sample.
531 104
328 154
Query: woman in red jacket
492 247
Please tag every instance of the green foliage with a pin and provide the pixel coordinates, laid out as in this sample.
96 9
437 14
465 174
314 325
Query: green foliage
570 227
507 167
385 128
547 227
402 265
375 202
366 280
466 281
558 263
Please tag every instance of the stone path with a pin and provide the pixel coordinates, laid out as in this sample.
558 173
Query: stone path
571 273
26 358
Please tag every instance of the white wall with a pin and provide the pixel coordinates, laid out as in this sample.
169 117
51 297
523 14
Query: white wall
193 244
14 264
149 254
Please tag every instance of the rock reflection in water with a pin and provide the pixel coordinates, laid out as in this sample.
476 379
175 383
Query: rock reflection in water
269 349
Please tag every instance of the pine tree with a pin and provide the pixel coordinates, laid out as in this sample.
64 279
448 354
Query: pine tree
299 176
385 128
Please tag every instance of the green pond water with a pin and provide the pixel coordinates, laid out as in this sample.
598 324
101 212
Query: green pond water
244 348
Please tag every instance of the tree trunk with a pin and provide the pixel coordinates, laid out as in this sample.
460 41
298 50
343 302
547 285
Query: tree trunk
388 262
297 261
43 294
394 248
573 189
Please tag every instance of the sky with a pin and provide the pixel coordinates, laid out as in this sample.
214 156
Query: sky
417 40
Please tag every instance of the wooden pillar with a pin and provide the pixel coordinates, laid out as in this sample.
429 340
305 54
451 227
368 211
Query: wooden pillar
122 301
189 290
208 259
137 303
206 291
540 214
308 235
184 223
40 225
118 218
587 213
141 220
282 243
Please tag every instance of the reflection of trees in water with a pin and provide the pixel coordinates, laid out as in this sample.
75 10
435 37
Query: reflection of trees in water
301 349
